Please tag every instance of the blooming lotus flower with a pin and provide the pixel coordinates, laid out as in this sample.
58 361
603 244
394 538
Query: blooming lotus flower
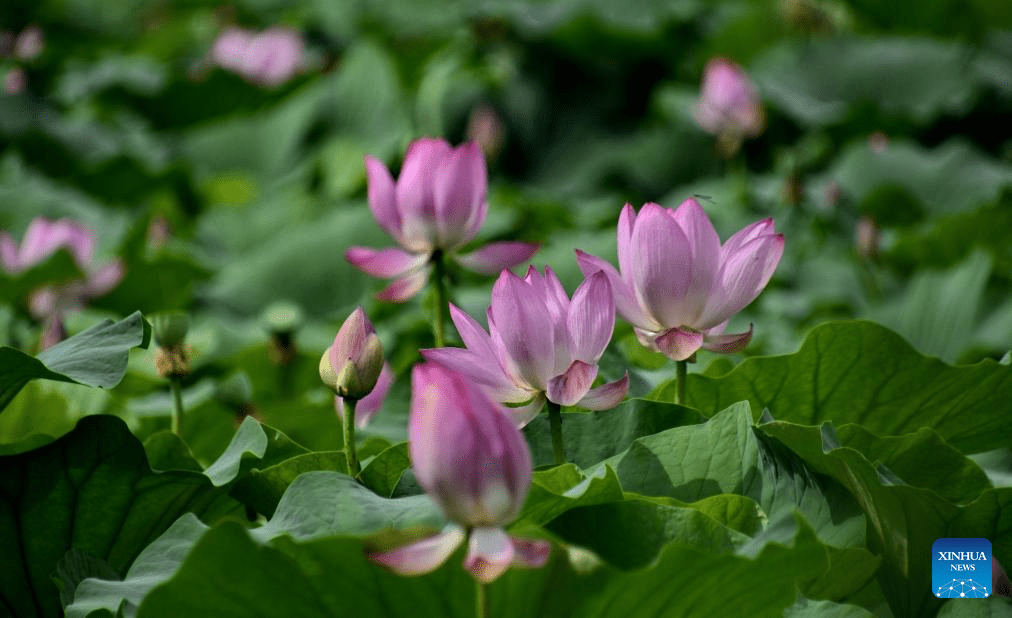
269 58
729 105
369 405
351 366
542 345
437 204
678 285
476 465
42 239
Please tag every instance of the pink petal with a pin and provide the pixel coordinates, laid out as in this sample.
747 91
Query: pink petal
230 47
404 288
415 191
471 333
372 403
530 553
495 256
726 344
382 197
549 289
489 554
591 318
460 187
678 344
743 276
626 223
105 279
747 234
350 340
571 386
526 348
521 415
606 396
43 238
705 251
625 300
483 370
384 263
661 262
422 556
273 56
8 253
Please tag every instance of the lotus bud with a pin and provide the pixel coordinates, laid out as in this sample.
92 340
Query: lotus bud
352 364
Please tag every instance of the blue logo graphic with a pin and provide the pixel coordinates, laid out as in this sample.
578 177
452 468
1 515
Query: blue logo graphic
961 568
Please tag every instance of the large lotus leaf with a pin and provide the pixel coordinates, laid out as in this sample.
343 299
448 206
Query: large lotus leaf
592 437
726 455
91 490
818 81
860 372
903 520
95 357
331 576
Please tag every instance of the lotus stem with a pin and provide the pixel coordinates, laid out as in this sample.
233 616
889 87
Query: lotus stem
481 604
555 424
439 281
681 367
176 388
349 436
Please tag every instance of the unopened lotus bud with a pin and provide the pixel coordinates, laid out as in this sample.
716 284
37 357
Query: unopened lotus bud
352 365
169 329
171 357
866 238
282 320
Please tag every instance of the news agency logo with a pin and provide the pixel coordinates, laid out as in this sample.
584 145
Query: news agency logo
961 568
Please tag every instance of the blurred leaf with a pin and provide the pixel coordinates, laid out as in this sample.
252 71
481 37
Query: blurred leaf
860 372
95 357
938 311
819 81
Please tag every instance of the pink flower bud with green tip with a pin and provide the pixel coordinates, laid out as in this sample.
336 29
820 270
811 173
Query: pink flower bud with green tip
728 102
351 366
438 203
678 285
476 465
540 345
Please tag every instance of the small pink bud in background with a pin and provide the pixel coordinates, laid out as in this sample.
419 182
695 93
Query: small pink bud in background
878 142
438 203
352 364
470 458
729 105
30 43
678 285
485 127
15 81
866 237
540 345
833 194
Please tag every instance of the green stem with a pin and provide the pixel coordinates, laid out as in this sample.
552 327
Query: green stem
439 280
555 423
682 369
349 436
176 387
482 608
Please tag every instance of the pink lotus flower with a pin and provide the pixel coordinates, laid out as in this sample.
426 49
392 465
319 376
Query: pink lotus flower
269 58
437 204
29 44
728 102
42 239
15 81
476 465
678 286
542 345
372 403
